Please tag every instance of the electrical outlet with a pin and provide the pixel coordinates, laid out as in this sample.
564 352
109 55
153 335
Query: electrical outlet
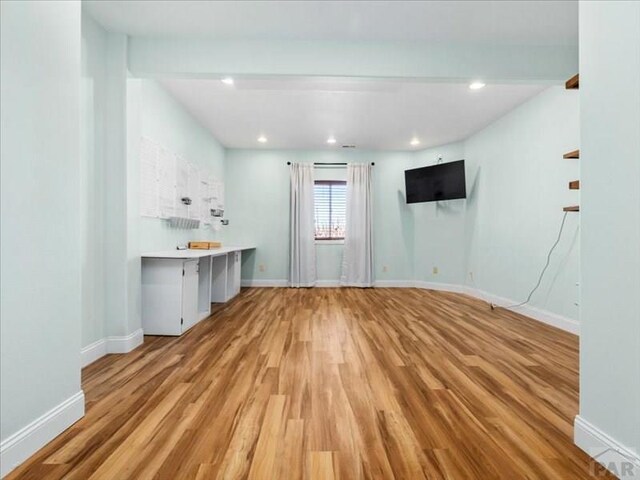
385 269
261 267
435 270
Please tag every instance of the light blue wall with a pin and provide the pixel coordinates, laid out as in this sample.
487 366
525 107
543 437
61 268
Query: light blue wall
164 120
153 113
258 210
519 184
163 57
610 236
496 240
92 214
40 219
440 226
104 205
117 321
117 111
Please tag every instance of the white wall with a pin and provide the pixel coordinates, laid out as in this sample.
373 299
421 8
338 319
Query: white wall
518 187
40 222
610 237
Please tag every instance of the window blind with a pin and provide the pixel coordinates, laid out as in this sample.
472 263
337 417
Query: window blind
330 198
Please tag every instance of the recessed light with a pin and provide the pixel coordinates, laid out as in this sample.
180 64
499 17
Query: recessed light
227 80
477 85
262 139
331 140
414 142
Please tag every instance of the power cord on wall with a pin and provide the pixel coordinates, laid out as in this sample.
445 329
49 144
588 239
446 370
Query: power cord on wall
546 265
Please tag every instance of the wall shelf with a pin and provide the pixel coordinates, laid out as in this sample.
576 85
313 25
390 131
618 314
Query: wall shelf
573 83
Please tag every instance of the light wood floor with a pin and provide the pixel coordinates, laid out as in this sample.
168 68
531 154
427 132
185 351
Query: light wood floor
332 383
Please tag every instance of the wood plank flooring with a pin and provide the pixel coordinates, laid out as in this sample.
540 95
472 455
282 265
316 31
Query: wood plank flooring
331 383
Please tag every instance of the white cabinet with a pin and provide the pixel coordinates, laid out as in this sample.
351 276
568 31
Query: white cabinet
189 295
169 295
178 287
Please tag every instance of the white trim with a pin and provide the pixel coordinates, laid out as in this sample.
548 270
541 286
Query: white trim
113 344
264 283
609 451
544 316
25 442
93 352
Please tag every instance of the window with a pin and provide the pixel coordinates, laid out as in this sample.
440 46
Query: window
330 198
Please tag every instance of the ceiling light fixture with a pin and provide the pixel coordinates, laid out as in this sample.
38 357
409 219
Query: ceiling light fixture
414 142
262 139
477 85
331 140
227 80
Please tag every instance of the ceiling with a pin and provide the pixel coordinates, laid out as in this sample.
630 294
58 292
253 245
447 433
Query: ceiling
302 113
296 112
486 22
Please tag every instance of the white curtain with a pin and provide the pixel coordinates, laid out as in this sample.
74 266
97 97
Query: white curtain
357 259
302 265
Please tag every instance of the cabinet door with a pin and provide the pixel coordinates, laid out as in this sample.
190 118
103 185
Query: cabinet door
162 296
189 295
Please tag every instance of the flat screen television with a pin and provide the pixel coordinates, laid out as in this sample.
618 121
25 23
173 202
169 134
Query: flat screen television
444 181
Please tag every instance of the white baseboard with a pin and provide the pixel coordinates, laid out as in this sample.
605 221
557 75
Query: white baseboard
264 283
21 445
100 348
553 319
93 352
125 344
615 457
394 284
328 283
441 287
544 316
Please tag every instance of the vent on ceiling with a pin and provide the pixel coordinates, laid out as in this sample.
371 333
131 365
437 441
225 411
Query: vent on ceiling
348 146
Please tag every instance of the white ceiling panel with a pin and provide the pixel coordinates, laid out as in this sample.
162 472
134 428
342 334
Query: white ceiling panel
302 113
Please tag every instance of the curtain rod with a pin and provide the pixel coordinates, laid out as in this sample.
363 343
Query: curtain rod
330 163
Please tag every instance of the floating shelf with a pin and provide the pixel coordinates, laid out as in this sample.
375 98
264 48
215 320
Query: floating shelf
573 208
574 185
574 154
573 83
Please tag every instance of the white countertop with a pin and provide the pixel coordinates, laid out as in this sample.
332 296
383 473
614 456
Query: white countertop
194 253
